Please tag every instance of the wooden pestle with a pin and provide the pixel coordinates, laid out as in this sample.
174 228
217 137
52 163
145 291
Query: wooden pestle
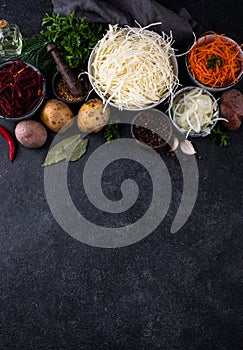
74 85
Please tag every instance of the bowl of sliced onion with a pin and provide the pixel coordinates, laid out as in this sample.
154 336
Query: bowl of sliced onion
133 68
194 111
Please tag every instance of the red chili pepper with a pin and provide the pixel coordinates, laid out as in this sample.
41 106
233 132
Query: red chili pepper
11 142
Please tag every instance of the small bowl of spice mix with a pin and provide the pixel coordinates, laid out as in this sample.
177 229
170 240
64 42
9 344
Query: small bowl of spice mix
62 92
152 128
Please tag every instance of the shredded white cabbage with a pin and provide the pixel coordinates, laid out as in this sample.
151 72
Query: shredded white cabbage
194 111
132 67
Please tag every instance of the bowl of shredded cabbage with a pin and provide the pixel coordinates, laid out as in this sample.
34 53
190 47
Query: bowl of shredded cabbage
194 111
133 68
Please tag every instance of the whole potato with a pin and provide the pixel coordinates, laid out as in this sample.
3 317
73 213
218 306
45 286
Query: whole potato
56 115
31 133
92 117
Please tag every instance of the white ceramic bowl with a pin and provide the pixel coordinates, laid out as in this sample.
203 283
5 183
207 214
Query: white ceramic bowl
104 98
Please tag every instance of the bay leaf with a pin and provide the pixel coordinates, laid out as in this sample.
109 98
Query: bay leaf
79 150
58 152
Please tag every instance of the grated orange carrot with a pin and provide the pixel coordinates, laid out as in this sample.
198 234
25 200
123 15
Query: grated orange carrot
227 63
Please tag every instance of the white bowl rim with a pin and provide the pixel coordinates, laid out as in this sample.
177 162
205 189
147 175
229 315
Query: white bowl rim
166 95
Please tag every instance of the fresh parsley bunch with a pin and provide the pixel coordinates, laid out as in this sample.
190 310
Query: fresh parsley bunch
74 36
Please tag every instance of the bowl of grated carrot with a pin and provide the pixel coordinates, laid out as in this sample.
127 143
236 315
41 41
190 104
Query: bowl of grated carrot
215 62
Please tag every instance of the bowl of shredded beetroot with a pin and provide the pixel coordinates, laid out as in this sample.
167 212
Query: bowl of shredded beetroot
22 90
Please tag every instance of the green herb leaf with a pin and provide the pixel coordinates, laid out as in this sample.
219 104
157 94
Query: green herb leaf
219 137
79 150
60 150
213 61
34 52
72 35
112 131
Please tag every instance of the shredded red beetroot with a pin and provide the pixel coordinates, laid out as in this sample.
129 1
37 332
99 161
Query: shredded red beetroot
21 87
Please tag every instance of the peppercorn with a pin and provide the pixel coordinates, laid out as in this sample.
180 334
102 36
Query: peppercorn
157 129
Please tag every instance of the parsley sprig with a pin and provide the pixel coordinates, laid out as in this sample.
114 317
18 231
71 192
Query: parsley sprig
74 36
219 137
112 131
213 61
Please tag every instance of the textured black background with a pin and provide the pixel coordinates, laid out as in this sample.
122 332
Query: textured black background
180 291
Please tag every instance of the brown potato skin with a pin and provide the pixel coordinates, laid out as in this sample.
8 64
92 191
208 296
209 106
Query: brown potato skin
56 115
92 117
30 133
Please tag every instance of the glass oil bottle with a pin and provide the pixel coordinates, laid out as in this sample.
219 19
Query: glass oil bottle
10 39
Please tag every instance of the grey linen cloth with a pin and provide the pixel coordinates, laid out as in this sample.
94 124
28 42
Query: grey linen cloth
124 12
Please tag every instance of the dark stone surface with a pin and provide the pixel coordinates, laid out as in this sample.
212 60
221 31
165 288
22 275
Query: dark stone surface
168 291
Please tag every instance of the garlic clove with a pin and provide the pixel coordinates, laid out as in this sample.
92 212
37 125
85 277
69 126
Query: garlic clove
175 144
187 147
